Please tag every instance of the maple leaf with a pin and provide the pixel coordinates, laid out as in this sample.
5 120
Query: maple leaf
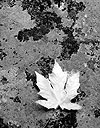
58 89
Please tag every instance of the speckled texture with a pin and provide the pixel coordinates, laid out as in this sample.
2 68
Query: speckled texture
33 33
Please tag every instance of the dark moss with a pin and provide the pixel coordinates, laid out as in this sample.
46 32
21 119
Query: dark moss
47 19
36 33
73 8
97 113
69 46
36 5
45 64
2 124
4 80
2 54
64 121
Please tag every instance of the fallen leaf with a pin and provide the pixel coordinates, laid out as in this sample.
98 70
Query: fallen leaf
58 89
